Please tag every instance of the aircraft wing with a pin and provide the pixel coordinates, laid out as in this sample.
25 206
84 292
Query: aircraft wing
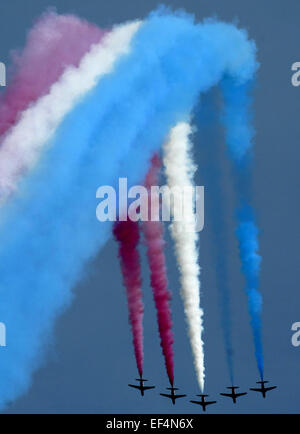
256 390
270 388
204 403
226 394
240 394
179 396
148 387
166 395
135 386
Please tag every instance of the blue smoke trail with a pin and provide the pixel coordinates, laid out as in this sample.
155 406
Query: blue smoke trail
206 119
247 233
237 119
49 231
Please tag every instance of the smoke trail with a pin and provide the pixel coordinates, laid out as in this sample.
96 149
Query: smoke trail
21 147
179 169
55 42
206 119
247 235
153 232
49 231
239 132
127 235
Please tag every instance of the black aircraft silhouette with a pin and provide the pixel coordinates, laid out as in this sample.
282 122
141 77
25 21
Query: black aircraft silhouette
233 395
172 395
263 390
203 403
141 386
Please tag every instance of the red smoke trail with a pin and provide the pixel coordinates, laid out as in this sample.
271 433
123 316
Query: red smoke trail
127 235
55 42
153 231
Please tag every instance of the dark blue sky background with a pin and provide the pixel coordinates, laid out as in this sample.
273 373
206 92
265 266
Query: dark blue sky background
90 360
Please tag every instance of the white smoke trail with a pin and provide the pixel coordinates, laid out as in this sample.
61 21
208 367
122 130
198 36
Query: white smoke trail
22 144
179 169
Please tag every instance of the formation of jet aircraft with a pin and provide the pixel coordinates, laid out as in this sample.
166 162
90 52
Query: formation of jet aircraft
203 403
